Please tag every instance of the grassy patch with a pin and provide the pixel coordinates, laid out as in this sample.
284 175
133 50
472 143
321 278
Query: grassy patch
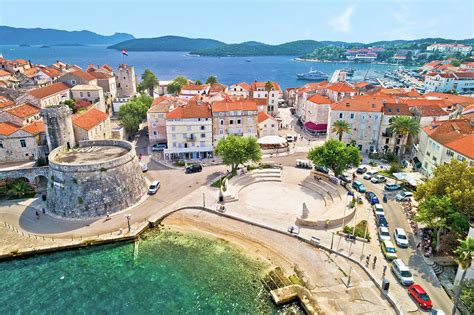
359 230
296 280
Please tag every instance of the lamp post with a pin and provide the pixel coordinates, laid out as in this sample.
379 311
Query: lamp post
204 200
332 240
128 216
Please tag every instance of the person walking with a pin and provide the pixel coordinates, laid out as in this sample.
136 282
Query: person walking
44 210
375 261
367 260
37 215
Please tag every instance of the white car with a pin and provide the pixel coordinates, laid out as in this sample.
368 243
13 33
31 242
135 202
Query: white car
144 167
378 209
384 234
400 237
378 179
402 272
154 186
403 195
368 175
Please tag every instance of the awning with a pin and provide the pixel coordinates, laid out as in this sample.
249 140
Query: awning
414 179
315 127
271 140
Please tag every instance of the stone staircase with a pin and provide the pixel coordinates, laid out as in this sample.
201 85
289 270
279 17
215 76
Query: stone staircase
239 182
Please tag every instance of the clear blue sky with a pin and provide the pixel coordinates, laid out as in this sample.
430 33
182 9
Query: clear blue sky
270 21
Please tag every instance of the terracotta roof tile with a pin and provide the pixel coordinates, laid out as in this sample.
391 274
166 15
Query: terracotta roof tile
244 85
226 106
89 119
341 87
4 73
5 102
256 85
49 90
262 116
23 111
192 110
194 87
396 109
318 99
363 103
84 75
455 134
35 127
100 75
7 128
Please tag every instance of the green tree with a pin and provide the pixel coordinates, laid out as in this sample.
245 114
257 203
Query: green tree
340 127
405 126
149 82
174 87
211 80
19 189
335 155
268 86
454 180
455 63
235 150
438 212
464 255
132 113
198 82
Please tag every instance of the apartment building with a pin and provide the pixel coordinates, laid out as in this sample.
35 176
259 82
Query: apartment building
260 90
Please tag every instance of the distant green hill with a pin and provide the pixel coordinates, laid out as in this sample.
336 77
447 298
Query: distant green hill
168 43
47 36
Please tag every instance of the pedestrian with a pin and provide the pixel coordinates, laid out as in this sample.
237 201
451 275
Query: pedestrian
367 260
418 246
44 210
37 215
107 216
375 260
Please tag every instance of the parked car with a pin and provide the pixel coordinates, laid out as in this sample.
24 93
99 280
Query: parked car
304 164
378 209
388 250
371 197
400 237
358 186
345 178
368 175
384 233
381 220
378 179
404 195
402 272
154 186
290 138
322 169
193 168
392 186
361 170
420 296
143 166
158 147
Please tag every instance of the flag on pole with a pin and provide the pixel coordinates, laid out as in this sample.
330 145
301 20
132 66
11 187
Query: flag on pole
124 52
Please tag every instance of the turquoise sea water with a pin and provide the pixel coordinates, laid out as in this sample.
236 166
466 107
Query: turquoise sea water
173 273
167 65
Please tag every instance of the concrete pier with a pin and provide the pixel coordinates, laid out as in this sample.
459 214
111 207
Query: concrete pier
291 292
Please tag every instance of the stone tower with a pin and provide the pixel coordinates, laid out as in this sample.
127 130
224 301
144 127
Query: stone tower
126 81
58 126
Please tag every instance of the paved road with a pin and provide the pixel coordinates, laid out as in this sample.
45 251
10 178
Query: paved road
423 274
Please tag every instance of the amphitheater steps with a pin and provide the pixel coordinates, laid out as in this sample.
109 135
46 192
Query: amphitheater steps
257 176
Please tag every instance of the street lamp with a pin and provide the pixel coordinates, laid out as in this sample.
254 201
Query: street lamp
204 200
128 216
332 239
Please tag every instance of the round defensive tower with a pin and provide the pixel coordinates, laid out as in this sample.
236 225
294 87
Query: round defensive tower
59 130
95 178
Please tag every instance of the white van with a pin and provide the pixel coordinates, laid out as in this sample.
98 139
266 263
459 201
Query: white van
154 186
290 137
402 272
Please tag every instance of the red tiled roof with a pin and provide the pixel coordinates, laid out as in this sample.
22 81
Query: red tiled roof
244 85
422 102
396 109
431 111
227 106
100 75
5 102
89 119
450 98
21 61
4 73
84 75
456 134
262 116
194 87
35 127
259 101
341 87
23 111
192 110
361 84
256 85
217 87
107 68
7 128
362 103
49 90
318 99
51 72
30 73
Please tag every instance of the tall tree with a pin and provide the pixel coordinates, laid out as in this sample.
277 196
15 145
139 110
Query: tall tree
405 126
149 82
340 127
453 180
174 87
132 113
268 86
211 80
198 82
235 150
335 155
464 254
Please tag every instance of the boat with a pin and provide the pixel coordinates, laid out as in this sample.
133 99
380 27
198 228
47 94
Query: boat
248 60
313 75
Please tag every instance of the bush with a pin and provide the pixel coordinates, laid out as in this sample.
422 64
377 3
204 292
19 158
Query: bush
19 189
467 295
395 167
359 230
180 163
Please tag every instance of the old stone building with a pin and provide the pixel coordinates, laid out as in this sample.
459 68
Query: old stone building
126 81
59 129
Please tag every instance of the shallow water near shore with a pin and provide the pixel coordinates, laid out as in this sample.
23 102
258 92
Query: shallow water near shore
172 272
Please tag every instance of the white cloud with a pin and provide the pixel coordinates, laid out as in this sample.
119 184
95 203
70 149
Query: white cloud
342 22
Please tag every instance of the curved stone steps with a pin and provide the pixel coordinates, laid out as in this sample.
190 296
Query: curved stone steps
333 188
327 198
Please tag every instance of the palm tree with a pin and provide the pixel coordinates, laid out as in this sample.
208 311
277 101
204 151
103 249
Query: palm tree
19 189
339 127
405 126
464 254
